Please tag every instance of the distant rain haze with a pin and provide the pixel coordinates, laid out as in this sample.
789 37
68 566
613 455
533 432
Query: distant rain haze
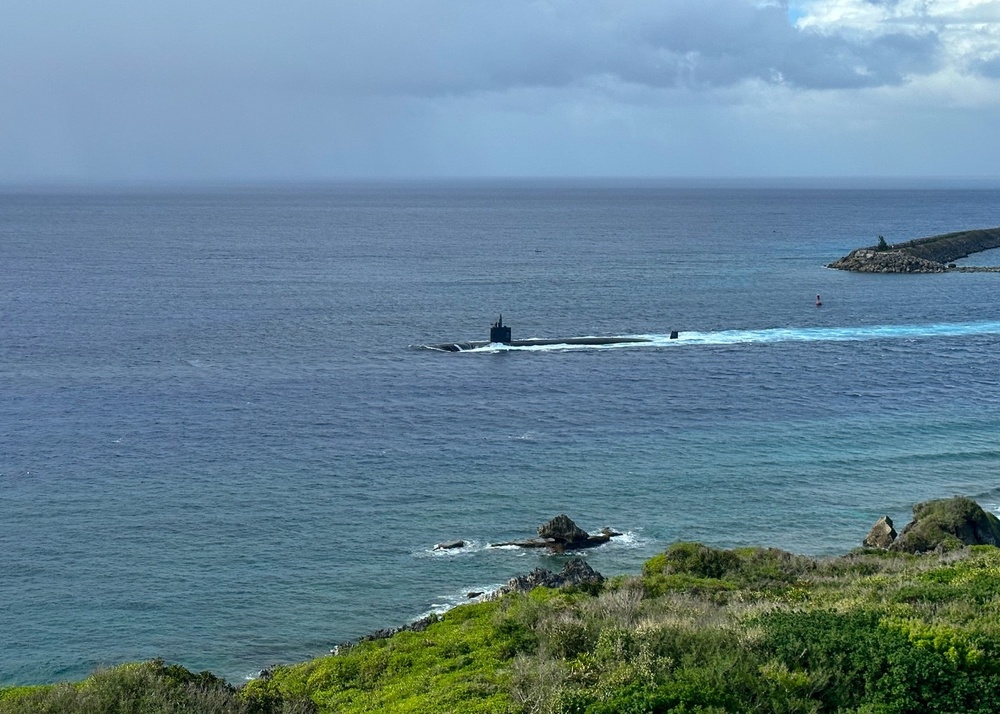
215 90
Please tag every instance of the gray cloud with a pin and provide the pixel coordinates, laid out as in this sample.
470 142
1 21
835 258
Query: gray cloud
989 68
476 45
439 47
314 88
723 42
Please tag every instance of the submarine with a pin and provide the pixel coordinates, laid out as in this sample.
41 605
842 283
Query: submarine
501 334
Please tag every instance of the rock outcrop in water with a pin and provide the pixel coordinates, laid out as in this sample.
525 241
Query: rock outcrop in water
450 545
562 534
563 529
923 255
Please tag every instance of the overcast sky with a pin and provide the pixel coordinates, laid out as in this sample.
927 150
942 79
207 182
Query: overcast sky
216 90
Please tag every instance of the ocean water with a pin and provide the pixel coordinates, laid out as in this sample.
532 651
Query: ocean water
222 442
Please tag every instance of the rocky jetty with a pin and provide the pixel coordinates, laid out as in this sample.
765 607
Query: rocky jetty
869 260
952 246
940 525
934 254
562 534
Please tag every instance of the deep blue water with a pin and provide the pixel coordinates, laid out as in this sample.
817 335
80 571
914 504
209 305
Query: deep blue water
221 444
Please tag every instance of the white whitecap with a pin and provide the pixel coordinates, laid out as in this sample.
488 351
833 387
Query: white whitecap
471 546
771 335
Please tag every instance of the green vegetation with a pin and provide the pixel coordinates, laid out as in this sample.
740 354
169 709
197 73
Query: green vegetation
948 524
882 245
148 688
700 630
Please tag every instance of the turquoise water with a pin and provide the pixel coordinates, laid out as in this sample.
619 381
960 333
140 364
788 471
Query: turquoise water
221 442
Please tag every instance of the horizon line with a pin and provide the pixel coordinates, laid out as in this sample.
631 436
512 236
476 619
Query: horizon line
809 181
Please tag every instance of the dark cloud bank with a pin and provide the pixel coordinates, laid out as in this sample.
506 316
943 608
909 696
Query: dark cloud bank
320 88
447 46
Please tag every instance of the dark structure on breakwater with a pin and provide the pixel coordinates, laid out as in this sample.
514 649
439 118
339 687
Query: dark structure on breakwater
923 255
500 334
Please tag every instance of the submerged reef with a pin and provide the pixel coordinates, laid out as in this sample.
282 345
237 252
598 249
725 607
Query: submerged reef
884 628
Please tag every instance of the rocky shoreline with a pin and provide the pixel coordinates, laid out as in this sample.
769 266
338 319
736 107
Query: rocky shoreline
935 254
937 526
557 535
906 622
576 573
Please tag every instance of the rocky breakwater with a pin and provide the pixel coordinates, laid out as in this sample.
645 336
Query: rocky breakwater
869 260
923 255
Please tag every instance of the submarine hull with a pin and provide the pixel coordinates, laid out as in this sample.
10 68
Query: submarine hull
539 342
500 335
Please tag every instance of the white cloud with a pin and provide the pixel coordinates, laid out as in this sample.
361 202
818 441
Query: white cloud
968 31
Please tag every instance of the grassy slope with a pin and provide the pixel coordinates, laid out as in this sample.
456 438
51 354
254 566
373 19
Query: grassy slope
700 630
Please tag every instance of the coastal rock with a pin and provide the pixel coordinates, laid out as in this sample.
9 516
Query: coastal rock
387 632
563 529
881 535
561 534
450 545
948 524
575 573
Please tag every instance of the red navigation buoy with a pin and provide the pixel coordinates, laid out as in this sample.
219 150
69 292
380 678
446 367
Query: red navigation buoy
819 303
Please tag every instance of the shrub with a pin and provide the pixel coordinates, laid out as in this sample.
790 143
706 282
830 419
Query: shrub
149 688
864 663
565 635
771 568
693 559
713 572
